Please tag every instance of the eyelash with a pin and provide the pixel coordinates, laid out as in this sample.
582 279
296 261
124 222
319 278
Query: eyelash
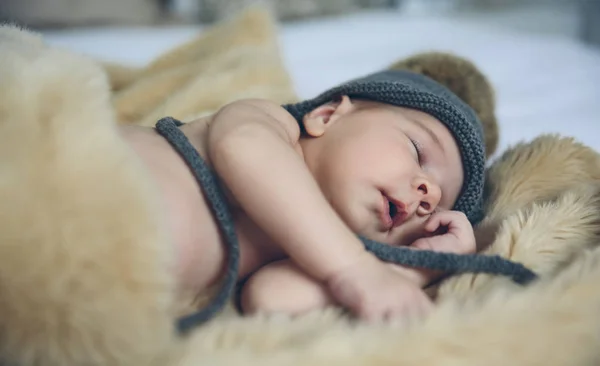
418 149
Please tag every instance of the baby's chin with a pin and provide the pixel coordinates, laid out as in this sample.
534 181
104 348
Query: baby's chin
362 219
370 228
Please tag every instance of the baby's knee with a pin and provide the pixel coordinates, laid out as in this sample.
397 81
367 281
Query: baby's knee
261 291
281 288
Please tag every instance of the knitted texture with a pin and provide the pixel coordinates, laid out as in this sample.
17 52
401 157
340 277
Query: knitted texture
208 181
411 90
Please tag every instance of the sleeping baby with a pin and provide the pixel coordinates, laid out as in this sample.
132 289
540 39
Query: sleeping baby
393 156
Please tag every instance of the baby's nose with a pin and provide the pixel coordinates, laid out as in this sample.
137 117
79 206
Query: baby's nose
429 197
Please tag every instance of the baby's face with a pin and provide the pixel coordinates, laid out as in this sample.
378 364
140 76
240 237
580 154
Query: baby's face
385 169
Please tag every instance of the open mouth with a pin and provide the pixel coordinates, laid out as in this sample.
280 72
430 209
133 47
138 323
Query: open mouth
394 212
393 209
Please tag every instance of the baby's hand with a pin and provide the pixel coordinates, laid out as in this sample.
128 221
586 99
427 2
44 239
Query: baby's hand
458 236
375 291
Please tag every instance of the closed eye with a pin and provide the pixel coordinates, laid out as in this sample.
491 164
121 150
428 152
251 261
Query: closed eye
418 149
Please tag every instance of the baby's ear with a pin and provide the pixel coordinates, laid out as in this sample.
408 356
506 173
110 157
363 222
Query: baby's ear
464 79
317 121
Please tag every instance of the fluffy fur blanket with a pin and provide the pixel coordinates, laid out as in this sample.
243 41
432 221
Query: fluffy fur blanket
84 258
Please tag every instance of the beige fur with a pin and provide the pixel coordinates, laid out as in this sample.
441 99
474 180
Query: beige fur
552 323
85 265
234 59
75 289
539 170
553 184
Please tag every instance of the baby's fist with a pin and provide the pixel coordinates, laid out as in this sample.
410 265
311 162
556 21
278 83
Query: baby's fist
457 236
376 291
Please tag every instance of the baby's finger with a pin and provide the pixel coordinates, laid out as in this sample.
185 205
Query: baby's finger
419 309
455 221
433 223
442 218
439 219
368 314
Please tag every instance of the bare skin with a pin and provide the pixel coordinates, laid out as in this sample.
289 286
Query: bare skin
388 173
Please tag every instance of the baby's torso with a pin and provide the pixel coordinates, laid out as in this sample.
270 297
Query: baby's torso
199 245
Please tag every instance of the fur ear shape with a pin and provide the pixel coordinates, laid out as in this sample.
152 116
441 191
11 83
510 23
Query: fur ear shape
463 78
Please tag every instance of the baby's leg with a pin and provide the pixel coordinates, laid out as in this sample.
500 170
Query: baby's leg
282 287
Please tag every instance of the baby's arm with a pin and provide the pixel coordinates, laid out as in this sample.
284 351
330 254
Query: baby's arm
282 287
253 146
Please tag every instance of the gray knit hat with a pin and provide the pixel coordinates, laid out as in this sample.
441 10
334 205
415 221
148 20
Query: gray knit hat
411 90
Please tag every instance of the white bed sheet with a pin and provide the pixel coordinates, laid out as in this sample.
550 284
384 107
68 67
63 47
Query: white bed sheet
544 84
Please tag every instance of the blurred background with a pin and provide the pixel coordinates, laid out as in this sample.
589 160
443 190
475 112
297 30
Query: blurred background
567 17
543 56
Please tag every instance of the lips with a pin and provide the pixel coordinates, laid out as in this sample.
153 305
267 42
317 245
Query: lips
393 212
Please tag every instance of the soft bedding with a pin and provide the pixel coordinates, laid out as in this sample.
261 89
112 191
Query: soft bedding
84 274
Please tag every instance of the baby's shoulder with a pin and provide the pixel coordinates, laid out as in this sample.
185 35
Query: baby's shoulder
262 109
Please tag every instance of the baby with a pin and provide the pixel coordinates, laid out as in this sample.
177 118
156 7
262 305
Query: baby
394 157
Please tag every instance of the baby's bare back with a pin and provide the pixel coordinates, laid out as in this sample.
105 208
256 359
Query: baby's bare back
198 244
